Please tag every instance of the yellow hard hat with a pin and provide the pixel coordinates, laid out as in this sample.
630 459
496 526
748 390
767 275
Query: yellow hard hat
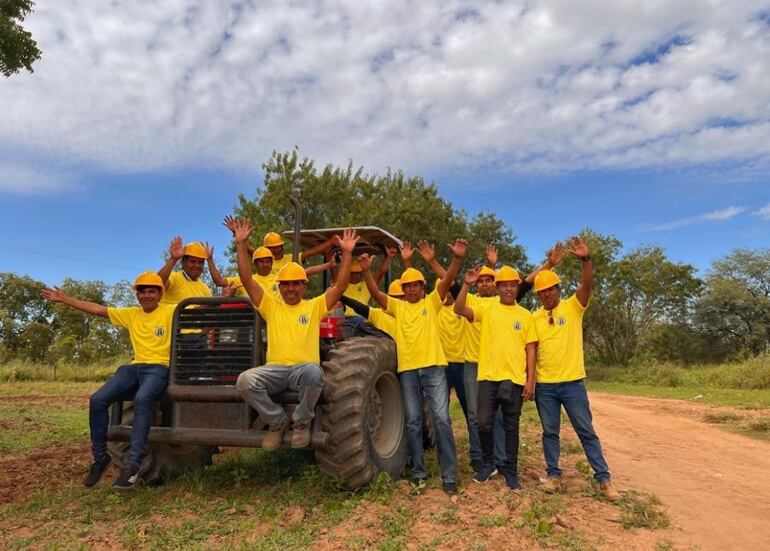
487 271
506 273
411 275
148 278
395 289
292 272
262 252
545 279
272 239
355 266
196 249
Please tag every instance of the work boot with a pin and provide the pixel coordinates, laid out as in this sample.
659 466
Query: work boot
300 435
97 470
552 484
274 438
609 492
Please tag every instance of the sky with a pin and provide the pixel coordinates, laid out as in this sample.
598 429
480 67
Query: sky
144 120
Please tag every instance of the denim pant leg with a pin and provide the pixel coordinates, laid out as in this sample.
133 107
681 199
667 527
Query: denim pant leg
454 380
153 379
307 380
486 418
433 381
511 413
575 400
123 383
471 384
255 386
411 389
499 431
549 409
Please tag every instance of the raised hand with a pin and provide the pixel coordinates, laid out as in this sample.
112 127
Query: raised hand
427 251
458 248
176 249
492 255
472 276
578 247
241 228
407 251
391 252
366 261
54 295
209 250
348 241
229 223
556 255
229 291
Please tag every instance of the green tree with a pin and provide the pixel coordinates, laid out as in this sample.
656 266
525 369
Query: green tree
21 304
18 50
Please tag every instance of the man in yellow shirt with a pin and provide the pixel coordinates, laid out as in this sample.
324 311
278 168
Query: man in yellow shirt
376 316
186 283
275 244
293 360
146 377
561 371
506 369
421 362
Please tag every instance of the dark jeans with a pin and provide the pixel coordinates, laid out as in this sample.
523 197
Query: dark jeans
144 383
454 380
505 395
472 400
430 381
549 397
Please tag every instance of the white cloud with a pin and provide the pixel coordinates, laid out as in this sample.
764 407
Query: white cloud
764 212
531 86
21 179
719 215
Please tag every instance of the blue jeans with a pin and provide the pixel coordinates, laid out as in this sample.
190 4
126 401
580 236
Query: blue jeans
430 381
454 380
549 397
144 383
471 383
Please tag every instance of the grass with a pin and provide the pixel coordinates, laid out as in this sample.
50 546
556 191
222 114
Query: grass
25 426
750 399
642 511
23 371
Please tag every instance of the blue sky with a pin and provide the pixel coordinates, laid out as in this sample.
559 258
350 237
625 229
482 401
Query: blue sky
649 121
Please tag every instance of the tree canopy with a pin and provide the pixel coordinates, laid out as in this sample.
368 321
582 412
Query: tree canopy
18 50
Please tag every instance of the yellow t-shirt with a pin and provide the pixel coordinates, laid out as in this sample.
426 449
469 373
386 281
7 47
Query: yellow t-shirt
473 330
294 329
451 331
150 334
181 287
560 346
278 264
505 332
357 291
417 340
382 321
268 284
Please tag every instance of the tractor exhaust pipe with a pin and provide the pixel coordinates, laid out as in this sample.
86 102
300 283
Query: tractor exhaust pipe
297 227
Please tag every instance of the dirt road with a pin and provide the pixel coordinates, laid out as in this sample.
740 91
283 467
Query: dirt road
715 484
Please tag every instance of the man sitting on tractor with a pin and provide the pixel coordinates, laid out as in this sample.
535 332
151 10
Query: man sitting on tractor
293 359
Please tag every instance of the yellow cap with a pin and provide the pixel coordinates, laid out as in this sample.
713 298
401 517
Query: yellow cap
355 266
262 252
395 289
272 239
196 249
149 278
411 275
292 272
545 279
506 273
487 271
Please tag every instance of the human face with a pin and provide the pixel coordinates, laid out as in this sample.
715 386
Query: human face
412 291
292 291
277 251
193 266
356 277
550 297
148 297
507 291
486 286
264 266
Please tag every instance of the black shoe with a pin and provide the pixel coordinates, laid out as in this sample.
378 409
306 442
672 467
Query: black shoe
127 480
450 488
485 473
476 465
97 470
511 479
417 480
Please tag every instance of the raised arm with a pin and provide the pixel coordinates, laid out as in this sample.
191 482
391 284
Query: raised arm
319 268
428 253
580 250
346 243
358 307
458 248
176 251
390 254
406 254
57 295
241 229
555 256
216 277
374 289
461 308
492 256
321 247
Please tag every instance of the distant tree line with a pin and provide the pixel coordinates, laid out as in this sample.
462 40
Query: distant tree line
645 307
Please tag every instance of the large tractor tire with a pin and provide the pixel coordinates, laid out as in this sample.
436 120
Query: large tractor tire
162 462
364 414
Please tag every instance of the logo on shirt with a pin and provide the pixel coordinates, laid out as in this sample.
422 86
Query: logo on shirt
424 312
517 326
159 331
304 319
561 320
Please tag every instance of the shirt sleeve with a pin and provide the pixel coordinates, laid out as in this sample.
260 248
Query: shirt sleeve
120 317
234 281
173 279
392 306
434 300
531 332
575 305
319 306
266 306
